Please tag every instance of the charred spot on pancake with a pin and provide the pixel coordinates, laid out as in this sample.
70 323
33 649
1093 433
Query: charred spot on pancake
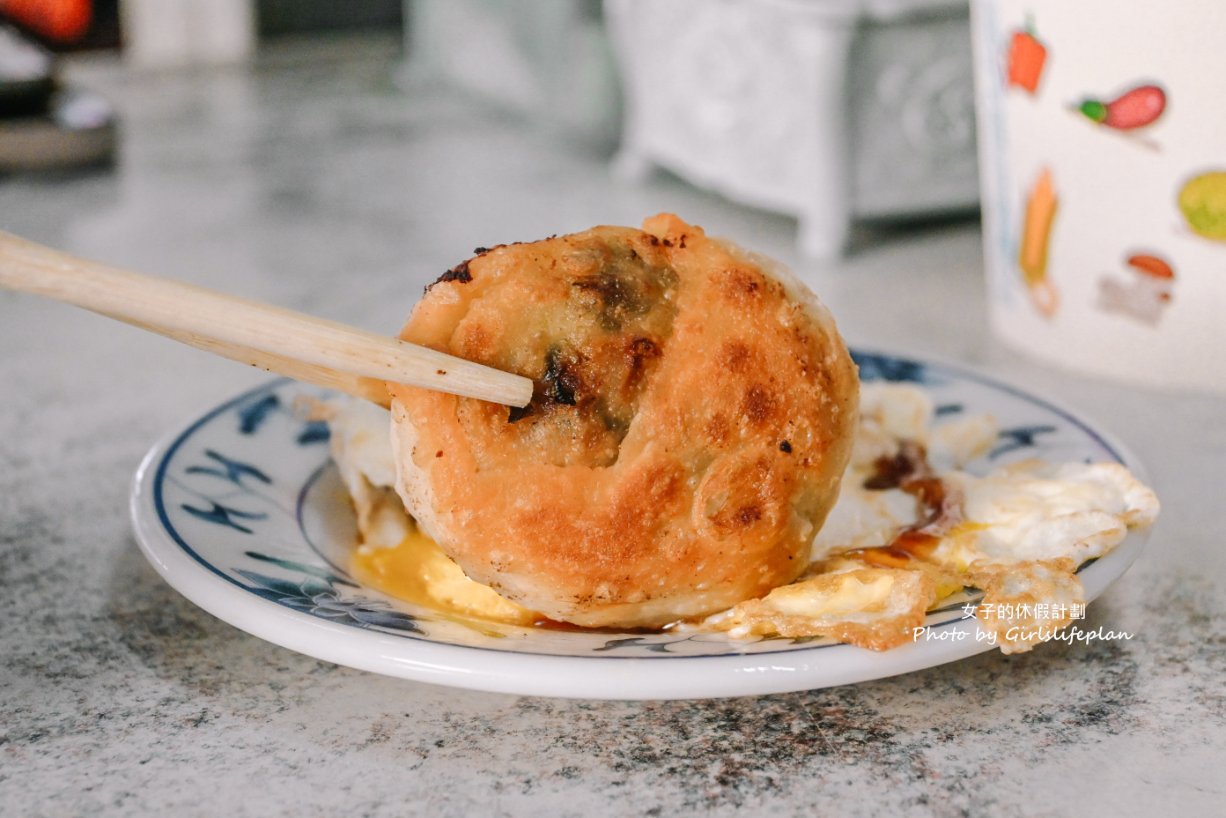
558 386
481 251
748 515
739 494
619 426
624 287
459 273
785 447
741 285
758 404
475 341
561 380
638 352
618 298
620 285
733 356
733 518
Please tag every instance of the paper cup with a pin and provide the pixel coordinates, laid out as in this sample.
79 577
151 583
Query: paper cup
1102 140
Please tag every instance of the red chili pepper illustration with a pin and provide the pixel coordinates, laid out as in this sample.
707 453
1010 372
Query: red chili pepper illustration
1135 108
1026 58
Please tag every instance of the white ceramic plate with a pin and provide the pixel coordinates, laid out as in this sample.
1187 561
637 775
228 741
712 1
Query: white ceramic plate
243 514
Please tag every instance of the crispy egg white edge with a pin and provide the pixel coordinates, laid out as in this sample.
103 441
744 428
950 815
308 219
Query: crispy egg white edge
1022 512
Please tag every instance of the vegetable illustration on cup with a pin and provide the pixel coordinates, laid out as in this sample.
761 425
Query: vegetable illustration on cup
1136 108
1202 201
1143 297
1025 60
1036 238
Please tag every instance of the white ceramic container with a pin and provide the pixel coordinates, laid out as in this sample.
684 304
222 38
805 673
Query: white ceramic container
1103 167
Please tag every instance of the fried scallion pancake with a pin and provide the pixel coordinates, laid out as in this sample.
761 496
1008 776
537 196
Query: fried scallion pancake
694 411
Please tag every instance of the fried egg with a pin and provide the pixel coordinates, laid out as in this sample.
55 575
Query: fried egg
1018 533
884 557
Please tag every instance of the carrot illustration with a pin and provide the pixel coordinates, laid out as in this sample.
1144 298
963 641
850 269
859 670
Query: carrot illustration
1036 238
1027 56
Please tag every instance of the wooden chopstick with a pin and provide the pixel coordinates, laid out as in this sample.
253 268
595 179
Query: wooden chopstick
316 350
370 389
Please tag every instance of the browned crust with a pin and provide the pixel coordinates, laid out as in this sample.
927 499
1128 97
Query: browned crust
649 481
1020 589
882 624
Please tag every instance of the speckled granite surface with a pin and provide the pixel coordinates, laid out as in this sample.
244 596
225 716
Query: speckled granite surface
324 188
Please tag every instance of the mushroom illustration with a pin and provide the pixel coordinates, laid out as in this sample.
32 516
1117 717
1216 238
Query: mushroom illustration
1145 295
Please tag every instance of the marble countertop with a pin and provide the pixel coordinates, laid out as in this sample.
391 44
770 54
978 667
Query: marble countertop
318 184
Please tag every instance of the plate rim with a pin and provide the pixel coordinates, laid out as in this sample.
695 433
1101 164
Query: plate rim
585 677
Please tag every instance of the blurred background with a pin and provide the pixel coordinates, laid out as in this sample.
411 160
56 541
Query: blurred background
268 147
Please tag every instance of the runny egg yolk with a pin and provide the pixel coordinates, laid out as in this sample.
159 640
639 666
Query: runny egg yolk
418 571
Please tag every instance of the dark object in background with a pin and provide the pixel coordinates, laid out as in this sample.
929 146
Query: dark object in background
277 17
42 126
60 31
26 75
77 131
